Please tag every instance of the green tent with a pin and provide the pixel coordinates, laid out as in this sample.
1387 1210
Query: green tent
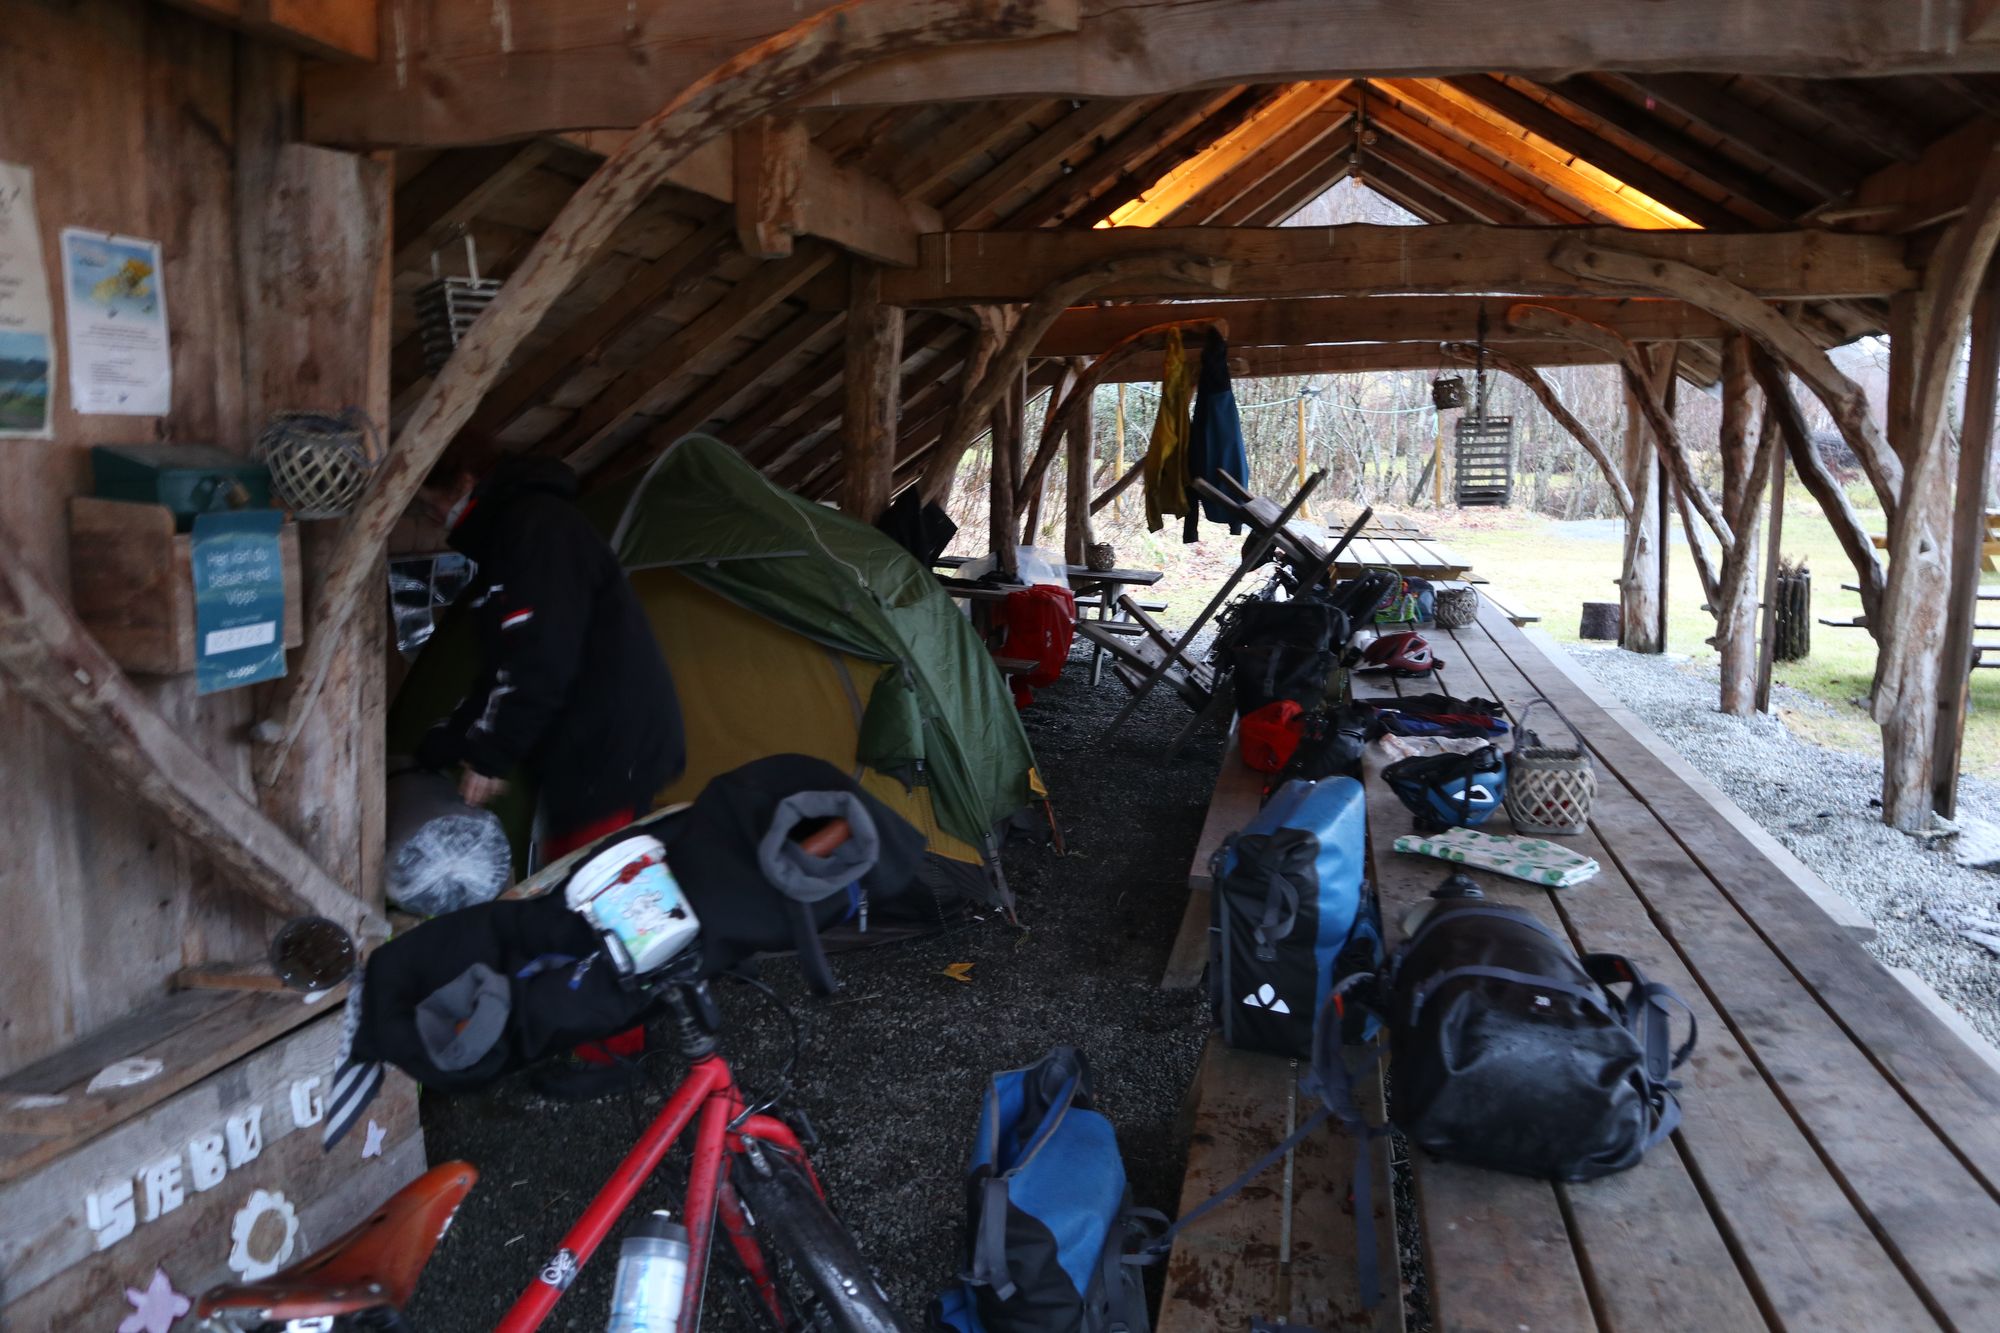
936 714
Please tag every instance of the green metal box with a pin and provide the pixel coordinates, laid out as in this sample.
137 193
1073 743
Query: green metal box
188 479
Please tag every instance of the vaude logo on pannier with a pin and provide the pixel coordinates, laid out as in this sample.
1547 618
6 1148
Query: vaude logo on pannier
1264 997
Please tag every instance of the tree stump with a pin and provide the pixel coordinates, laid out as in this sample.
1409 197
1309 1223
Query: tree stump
1601 620
1792 627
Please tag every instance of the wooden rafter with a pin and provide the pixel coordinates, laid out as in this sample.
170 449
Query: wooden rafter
570 69
1546 119
1780 148
1389 116
1308 149
434 206
1092 330
1171 119
1204 171
976 204
998 266
1440 189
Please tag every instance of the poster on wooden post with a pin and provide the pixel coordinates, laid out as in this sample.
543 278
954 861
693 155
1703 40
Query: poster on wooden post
27 341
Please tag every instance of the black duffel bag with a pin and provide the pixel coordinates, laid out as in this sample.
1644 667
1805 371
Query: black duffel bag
1285 650
1511 1052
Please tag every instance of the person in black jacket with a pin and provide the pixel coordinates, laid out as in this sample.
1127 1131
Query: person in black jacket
572 685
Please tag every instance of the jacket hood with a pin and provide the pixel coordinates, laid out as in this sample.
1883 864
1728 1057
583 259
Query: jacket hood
510 479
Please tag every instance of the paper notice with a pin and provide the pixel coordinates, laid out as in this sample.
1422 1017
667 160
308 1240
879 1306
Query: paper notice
118 355
27 345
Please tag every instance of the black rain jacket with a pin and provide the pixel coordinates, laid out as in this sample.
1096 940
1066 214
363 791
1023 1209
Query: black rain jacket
572 683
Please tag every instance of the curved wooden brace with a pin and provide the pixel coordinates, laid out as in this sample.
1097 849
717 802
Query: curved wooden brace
1563 324
834 42
1845 400
1034 324
1062 414
1545 394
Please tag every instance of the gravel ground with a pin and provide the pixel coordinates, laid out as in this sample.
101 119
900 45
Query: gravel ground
896 1064
1823 805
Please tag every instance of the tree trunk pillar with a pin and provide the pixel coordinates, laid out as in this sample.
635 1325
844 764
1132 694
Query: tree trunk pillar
1909 724
1639 588
1076 492
1736 612
873 395
1008 418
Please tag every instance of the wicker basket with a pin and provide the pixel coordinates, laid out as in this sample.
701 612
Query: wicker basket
1100 556
1456 607
320 464
1550 789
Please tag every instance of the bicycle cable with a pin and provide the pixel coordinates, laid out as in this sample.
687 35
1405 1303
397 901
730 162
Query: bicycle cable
785 1076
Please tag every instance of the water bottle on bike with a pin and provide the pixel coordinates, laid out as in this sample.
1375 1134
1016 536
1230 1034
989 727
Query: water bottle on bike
652 1276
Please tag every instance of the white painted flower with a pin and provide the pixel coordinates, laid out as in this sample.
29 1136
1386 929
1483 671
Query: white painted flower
262 1237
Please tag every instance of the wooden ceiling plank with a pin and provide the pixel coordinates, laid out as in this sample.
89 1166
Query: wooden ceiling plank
336 30
1167 155
962 268
1090 330
1266 202
1857 109
974 131
1931 190
1303 191
1387 117
1469 192
1358 358
1413 197
1169 120
1209 168
1288 150
1611 111
974 204
1787 152
435 205
662 280
633 391
1575 138
1598 201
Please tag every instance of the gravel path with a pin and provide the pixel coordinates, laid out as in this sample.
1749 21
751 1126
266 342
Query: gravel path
896 1064
1824 806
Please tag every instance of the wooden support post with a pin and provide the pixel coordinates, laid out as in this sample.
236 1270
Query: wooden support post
1912 637
770 167
1767 644
874 392
1118 464
1305 511
834 42
1968 535
1639 588
1007 416
1662 360
1076 493
53 662
1743 473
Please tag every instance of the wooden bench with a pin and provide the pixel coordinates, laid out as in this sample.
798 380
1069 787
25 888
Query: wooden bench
1283 1249
1838 1160
1239 792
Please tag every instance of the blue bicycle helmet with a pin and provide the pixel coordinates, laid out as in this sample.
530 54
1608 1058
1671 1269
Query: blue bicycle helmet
1449 790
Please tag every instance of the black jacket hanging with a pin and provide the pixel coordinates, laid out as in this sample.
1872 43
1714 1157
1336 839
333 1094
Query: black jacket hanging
1215 441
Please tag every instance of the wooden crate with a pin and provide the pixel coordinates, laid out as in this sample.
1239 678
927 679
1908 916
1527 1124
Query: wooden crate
171 1188
132 584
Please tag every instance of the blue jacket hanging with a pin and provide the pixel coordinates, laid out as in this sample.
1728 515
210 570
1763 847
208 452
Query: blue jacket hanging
1215 441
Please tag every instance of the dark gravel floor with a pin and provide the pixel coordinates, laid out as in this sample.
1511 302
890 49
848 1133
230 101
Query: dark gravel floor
895 1065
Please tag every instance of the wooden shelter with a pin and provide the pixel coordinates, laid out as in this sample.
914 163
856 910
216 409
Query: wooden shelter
847 239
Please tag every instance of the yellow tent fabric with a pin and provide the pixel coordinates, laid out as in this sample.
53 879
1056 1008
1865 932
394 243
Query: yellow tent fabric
750 688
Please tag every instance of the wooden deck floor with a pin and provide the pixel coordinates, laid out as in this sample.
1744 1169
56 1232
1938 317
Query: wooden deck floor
1839 1160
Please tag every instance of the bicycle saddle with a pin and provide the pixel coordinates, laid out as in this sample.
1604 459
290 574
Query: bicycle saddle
374 1265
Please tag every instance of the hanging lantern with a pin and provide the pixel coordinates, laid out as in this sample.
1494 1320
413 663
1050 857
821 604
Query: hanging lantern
1447 391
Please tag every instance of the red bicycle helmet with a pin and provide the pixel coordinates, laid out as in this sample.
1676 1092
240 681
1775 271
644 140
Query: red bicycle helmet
1404 651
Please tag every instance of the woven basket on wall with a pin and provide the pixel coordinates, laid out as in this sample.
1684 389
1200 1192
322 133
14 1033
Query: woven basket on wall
1456 607
1550 789
320 463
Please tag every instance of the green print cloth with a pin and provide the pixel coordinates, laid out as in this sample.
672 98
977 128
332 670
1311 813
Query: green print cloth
1536 860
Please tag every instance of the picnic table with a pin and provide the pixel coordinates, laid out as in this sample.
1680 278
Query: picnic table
1398 544
1838 1164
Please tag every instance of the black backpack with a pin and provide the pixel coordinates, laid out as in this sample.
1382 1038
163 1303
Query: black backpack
1509 1051
1284 650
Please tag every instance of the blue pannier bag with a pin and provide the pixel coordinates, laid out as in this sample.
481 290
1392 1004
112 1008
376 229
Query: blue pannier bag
1290 916
1051 1213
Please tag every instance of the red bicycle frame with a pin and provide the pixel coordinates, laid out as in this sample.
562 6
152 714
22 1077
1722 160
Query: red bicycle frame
710 1092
